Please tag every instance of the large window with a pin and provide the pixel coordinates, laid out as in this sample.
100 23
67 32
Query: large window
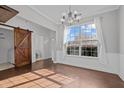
82 40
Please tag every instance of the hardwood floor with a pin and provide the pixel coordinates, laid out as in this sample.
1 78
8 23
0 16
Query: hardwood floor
89 78
83 78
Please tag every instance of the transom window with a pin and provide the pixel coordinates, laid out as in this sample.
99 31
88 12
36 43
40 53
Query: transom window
81 40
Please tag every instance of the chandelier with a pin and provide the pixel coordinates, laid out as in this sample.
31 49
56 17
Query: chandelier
71 17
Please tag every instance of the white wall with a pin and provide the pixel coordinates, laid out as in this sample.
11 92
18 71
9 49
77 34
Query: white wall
121 42
45 35
110 34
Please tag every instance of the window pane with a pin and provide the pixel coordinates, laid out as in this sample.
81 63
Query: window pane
68 50
75 31
71 52
76 53
83 36
76 50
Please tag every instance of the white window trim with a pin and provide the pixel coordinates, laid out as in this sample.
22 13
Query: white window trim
65 49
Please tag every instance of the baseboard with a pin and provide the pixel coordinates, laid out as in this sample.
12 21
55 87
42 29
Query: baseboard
121 72
39 59
57 62
44 60
121 76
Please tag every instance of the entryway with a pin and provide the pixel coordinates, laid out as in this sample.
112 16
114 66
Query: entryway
6 48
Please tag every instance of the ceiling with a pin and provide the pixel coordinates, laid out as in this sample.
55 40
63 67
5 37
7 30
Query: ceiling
49 15
54 12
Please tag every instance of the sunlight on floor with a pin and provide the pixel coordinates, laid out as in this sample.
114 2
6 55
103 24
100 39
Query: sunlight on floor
42 78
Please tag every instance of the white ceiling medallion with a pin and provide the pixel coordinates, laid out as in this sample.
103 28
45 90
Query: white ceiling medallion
71 17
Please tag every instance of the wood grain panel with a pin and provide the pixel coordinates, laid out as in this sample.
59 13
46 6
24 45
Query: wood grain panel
22 44
6 13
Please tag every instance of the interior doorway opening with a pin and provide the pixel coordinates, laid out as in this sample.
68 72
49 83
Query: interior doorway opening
6 48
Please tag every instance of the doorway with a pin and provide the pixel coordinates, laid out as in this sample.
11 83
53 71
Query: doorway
6 48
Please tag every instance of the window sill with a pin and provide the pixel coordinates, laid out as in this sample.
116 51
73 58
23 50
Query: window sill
86 57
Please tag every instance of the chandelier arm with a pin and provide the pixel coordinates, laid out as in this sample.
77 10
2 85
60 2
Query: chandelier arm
71 17
69 8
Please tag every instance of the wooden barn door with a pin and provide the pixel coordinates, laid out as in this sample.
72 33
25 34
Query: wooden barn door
22 44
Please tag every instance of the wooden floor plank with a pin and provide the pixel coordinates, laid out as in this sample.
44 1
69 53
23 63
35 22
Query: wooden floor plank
84 78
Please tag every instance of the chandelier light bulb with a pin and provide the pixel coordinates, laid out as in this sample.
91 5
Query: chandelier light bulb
62 20
75 12
70 21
